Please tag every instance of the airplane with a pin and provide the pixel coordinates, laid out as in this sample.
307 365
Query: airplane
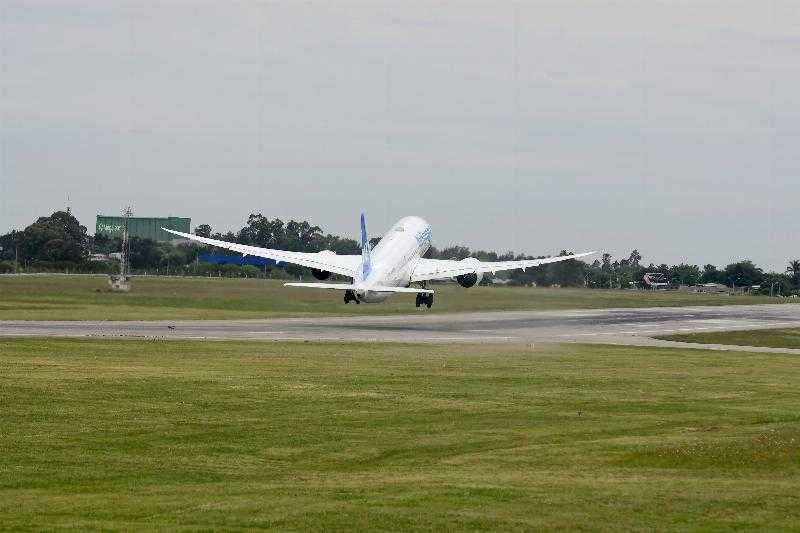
394 265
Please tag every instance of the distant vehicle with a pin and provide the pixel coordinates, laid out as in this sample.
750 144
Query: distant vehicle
393 266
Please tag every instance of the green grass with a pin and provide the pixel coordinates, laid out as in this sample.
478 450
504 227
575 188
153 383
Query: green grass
771 338
88 298
142 435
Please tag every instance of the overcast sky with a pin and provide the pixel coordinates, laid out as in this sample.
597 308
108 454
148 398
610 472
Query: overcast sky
671 127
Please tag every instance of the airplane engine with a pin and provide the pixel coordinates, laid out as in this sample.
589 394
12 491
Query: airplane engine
472 279
322 275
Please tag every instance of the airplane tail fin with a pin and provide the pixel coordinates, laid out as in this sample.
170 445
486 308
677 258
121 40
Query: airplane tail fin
366 250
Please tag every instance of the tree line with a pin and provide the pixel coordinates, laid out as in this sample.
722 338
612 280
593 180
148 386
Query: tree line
60 243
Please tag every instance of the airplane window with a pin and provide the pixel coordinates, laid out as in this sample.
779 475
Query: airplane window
399 228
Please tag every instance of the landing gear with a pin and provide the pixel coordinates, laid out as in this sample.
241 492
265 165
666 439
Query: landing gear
350 296
424 299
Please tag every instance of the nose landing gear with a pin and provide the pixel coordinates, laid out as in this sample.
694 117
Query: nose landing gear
350 296
424 299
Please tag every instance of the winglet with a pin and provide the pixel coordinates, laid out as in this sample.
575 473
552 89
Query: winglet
366 260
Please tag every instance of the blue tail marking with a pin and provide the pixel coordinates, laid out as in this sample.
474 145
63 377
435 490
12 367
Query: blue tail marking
366 260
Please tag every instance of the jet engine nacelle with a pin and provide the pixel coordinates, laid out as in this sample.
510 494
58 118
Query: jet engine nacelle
322 275
472 279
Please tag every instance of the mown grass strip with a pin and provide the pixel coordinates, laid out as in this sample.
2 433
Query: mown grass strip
133 434
155 298
770 338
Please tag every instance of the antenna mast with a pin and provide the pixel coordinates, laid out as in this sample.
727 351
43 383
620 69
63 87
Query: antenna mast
124 263
120 282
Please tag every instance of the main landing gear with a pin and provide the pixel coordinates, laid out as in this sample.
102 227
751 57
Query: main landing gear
350 296
425 299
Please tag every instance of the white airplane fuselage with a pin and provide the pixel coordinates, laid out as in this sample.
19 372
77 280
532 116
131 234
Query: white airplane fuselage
393 259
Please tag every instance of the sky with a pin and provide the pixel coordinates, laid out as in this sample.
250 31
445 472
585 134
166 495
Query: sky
669 127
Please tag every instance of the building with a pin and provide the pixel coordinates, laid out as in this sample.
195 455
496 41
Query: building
656 281
715 288
142 227
240 260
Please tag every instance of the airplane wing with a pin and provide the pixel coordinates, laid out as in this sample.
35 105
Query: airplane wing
427 269
346 265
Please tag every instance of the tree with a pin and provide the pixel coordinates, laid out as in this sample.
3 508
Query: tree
300 236
606 263
482 255
684 274
144 253
10 243
250 271
794 271
173 256
743 273
712 275
261 231
600 275
634 258
776 284
455 252
203 230
59 237
337 244
569 273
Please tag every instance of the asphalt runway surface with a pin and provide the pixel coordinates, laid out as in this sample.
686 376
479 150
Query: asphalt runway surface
616 326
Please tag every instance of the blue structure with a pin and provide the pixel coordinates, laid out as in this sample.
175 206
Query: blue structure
239 260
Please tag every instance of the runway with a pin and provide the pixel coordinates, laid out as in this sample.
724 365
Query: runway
617 326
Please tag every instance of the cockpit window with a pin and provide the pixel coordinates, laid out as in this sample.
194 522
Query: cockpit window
399 228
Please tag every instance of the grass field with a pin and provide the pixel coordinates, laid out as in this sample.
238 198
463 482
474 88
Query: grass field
772 338
142 435
88 298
